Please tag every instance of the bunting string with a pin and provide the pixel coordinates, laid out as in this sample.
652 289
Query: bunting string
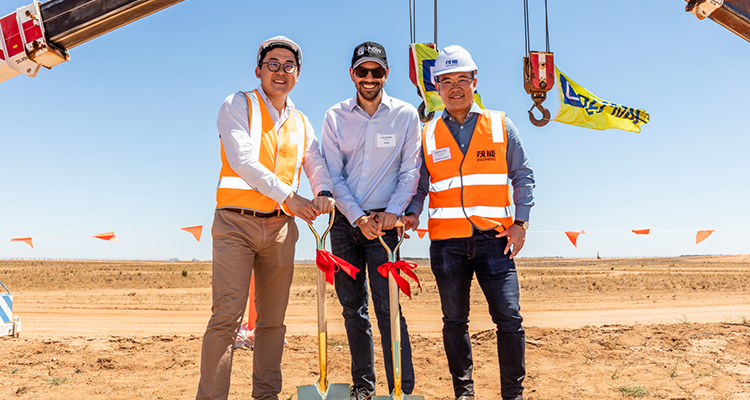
196 231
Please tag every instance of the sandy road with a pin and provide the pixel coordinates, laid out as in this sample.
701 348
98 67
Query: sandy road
146 312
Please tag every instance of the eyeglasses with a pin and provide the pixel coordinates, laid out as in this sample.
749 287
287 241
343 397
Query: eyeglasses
460 82
274 66
362 72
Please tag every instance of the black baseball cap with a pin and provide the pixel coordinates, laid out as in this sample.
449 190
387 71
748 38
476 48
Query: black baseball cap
369 51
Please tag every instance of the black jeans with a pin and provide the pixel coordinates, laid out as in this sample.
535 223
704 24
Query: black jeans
349 243
454 263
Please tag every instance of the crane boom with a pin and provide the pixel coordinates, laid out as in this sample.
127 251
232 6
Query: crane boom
731 14
40 35
70 23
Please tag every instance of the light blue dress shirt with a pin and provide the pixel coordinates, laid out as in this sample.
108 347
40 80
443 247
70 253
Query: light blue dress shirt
373 161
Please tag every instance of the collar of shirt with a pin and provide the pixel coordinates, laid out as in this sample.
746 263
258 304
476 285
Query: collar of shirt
475 109
277 119
385 100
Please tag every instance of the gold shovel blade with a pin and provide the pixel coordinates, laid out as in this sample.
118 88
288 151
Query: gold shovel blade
336 391
392 396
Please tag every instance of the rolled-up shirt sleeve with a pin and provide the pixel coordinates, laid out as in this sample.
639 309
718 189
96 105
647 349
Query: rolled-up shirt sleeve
233 127
520 173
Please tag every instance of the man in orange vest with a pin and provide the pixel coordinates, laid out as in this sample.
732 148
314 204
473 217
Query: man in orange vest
265 142
470 155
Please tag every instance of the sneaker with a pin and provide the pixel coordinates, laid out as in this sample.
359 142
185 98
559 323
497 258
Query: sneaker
359 392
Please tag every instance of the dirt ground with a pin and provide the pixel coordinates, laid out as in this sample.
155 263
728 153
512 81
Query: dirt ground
664 328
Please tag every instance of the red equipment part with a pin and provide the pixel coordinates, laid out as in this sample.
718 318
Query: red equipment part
538 78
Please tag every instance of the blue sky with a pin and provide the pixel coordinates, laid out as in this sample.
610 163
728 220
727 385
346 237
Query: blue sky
123 137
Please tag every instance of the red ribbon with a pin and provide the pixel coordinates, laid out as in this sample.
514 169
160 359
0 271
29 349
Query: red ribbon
407 268
330 264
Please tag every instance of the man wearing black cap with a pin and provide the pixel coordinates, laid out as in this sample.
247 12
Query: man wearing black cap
265 141
371 144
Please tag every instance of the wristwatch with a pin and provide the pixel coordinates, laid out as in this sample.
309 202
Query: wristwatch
325 193
523 224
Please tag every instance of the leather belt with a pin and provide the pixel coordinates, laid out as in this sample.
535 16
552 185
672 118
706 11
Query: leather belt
241 211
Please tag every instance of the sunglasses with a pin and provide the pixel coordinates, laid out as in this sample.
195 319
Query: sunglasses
362 72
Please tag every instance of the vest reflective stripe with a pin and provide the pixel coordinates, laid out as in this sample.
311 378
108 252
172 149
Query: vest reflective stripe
458 212
233 182
497 120
299 121
256 124
281 152
429 129
474 185
469 180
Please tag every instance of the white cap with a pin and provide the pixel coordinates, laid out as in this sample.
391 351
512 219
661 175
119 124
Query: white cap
451 59
283 42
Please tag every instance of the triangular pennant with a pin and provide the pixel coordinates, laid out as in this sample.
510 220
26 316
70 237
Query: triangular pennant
195 230
27 240
110 236
702 235
421 233
573 236
641 231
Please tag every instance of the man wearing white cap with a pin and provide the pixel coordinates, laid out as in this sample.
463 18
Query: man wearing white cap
265 141
371 144
470 156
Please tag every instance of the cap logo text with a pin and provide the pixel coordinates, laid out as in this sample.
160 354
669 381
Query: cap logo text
450 63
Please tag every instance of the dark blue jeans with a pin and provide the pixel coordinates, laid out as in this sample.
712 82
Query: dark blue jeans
348 243
454 263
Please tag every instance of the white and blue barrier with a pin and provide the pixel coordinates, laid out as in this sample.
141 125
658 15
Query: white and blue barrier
8 324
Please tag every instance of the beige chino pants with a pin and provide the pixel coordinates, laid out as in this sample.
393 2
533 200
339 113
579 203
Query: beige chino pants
243 244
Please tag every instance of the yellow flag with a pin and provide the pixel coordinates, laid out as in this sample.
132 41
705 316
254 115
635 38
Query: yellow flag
424 59
580 107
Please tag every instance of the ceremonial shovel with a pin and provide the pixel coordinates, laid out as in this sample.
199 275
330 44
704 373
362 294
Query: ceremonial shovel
393 289
326 268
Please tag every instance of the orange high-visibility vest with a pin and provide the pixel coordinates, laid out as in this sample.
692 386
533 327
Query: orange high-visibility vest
280 152
468 190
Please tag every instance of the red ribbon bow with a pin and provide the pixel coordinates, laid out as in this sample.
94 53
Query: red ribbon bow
407 268
329 264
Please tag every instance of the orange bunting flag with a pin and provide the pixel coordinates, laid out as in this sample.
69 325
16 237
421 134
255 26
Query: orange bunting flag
109 236
195 230
27 240
421 233
702 235
573 236
641 231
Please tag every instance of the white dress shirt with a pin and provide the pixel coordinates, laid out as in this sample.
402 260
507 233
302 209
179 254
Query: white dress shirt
234 131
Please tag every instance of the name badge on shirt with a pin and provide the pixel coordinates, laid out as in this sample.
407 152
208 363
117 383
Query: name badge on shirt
441 154
385 140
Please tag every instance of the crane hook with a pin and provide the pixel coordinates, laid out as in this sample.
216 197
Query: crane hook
538 98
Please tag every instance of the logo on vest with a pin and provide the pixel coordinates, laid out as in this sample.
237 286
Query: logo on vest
485 155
